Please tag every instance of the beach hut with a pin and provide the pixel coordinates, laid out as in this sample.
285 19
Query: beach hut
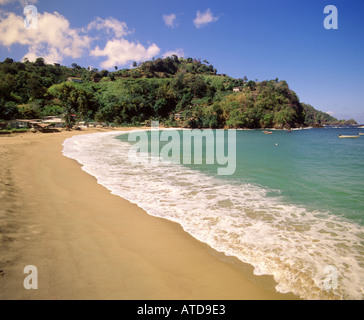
23 123
83 124
57 122
146 123
41 126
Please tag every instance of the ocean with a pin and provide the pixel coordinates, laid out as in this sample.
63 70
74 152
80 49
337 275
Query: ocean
293 208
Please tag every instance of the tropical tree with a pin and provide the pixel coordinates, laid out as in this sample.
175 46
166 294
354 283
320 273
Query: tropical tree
68 116
75 100
39 62
8 110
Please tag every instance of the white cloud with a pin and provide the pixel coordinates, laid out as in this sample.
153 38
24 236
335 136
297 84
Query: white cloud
170 20
121 51
178 52
110 26
204 18
22 2
53 40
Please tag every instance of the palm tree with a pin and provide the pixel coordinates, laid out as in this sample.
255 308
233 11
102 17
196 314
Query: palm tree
82 105
69 116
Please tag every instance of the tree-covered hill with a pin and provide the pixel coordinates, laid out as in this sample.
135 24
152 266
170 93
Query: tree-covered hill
175 91
167 68
314 117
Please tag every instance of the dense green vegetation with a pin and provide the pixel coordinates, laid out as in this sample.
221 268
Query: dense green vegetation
175 91
315 117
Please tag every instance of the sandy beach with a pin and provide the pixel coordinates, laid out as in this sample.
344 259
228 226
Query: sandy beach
89 244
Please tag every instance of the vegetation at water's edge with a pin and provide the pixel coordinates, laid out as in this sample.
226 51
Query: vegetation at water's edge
314 117
175 91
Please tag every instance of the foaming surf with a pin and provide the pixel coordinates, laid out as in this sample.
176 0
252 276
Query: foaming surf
312 254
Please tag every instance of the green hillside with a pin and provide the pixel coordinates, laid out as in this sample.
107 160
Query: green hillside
175 91
314 117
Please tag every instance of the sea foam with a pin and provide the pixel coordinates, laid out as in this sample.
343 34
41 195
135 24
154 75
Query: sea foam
294 245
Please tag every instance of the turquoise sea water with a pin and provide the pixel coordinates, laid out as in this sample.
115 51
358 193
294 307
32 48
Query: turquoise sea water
312 168
293 209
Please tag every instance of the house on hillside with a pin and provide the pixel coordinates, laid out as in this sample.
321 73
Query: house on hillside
72 79
237 89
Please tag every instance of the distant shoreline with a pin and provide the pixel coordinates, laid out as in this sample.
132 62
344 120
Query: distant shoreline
22 131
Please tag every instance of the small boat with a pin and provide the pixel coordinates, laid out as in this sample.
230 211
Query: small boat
361 133
348 137
289 131
267 132
361 127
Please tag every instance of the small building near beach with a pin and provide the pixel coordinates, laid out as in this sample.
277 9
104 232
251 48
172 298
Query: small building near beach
23 123
56 122
42 127
237 89
146 123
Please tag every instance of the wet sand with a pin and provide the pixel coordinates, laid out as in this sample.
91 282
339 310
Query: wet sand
89 244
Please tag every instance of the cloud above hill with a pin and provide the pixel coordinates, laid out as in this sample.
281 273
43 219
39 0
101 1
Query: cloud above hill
170 20
204 18
22 2
55 39
118 50
122 51
178 52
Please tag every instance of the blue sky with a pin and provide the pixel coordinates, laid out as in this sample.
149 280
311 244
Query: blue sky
260 39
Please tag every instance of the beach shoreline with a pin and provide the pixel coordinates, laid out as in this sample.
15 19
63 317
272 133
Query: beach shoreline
89 244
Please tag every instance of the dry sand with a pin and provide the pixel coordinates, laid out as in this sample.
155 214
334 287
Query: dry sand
89 244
